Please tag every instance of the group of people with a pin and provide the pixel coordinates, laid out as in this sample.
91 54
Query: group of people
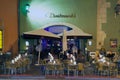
103 56
72 52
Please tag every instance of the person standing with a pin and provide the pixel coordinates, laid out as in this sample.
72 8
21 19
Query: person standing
74 50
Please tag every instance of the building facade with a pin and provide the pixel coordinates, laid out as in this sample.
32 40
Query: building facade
97 17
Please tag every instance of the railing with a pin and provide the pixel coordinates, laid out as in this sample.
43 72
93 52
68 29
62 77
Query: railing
81 69
18 67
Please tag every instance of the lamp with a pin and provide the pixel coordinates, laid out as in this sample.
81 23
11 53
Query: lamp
27 44
27 8
89 43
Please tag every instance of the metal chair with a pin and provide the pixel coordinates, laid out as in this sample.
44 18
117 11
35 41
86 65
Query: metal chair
59 69
113 69
50 69
80 68
102 69
72 68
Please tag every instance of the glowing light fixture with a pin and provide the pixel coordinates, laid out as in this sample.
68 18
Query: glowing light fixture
89 43
27 7
27 43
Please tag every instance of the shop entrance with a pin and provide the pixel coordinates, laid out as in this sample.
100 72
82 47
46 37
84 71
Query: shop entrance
74 36
79 42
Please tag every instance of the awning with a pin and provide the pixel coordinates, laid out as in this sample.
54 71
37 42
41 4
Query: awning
77 33
39 33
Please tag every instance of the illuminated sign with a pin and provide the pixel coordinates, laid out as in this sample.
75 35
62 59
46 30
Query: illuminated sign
53 15
1 39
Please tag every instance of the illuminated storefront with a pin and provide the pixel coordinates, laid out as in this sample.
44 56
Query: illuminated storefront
48 14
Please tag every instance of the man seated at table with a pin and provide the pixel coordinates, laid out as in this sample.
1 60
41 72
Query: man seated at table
110 55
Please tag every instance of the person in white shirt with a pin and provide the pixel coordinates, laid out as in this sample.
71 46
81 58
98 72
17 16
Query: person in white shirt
74 50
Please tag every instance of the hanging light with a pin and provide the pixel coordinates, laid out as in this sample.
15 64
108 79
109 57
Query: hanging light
27 8
27 45
89 42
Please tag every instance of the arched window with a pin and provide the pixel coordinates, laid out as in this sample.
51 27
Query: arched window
56 29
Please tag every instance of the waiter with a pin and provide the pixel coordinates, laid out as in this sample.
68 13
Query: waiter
74 50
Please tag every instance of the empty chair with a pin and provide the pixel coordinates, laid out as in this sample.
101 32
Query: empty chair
50 69
59 69
103 69
113 69
80 69
72 68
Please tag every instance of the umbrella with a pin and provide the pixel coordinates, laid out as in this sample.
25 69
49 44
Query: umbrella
64 41
76 33
72 34
39 33
39 48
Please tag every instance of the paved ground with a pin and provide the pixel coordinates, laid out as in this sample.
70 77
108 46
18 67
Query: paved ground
35 74
30 77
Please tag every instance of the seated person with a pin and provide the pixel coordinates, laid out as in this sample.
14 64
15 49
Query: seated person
103 51
110 55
